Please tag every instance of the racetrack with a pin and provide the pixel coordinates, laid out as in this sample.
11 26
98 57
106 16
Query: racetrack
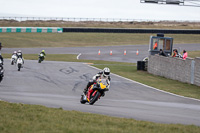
91 53
60 84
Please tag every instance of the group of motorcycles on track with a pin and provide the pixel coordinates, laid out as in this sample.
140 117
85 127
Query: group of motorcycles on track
95 88
18 60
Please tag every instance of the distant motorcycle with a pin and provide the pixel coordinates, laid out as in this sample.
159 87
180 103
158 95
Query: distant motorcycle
40 58
1 71
19 63
13 59
94 92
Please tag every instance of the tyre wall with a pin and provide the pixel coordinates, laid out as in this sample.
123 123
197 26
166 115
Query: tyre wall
31 29
187 71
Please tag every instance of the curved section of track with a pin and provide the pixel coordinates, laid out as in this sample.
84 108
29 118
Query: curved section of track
60 84
91 53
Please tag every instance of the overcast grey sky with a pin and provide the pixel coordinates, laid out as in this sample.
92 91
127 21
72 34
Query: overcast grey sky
131 9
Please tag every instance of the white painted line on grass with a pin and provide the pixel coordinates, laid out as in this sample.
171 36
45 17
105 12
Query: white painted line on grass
149 86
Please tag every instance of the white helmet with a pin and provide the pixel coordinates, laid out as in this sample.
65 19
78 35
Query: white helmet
15 52
19 51
106 71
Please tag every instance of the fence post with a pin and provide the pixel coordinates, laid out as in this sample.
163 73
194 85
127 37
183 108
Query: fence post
192 72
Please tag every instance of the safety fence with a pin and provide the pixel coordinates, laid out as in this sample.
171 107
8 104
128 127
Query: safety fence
94 30
32 29
71 19
125 30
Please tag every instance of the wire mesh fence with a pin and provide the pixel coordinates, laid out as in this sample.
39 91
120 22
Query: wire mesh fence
87 19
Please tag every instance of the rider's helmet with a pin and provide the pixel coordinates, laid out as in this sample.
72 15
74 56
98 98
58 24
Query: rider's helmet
15 52
106 72
19 51
42 50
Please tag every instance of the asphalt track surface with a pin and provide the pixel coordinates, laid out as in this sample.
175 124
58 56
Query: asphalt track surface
91 53
60 84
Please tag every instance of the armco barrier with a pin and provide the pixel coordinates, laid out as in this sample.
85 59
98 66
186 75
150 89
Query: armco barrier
31 29
175 68
115 30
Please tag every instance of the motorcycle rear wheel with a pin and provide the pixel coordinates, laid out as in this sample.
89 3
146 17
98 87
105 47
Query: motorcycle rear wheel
94 99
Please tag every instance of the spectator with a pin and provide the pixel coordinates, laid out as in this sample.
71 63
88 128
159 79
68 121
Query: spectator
176 54
162 53
185 55
155 46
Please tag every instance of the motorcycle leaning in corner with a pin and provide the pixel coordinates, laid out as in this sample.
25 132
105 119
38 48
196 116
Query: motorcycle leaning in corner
13 59
95 91
41 57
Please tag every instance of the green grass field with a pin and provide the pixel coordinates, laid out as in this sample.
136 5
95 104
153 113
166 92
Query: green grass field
21 40
21 118
17 118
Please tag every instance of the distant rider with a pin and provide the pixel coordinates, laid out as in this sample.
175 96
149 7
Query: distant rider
1 58
19 55
14 53
43 52
105 74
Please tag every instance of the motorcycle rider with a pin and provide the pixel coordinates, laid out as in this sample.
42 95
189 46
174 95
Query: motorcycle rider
105 74
19 55
15 53
14 57
43 52
1 58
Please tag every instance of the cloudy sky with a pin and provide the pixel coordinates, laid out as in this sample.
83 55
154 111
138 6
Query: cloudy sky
129 9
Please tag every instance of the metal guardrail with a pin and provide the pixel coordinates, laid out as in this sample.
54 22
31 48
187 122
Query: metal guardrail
88 19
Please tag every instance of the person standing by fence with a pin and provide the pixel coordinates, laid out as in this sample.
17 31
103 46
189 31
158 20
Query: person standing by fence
185 55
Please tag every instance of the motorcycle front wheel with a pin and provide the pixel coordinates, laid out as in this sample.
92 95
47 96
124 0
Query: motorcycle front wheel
1 78
94 99
82 100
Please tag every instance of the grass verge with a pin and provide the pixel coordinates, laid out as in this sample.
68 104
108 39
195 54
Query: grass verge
17 118
22 40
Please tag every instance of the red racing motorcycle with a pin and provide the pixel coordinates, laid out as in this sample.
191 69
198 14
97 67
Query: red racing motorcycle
94 92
